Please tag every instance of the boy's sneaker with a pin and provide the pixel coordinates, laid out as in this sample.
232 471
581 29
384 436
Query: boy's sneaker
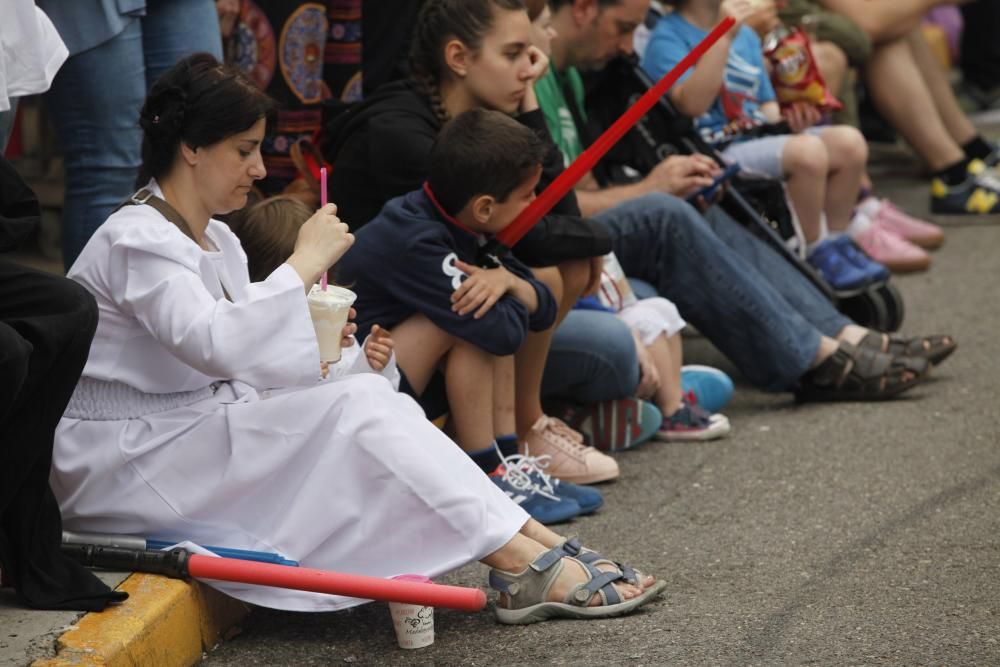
839 272
712 388
588 498
612 426
977 194
543 506
691 423
569 459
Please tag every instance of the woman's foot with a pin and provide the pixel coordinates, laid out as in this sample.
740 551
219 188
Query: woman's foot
558 586
934 349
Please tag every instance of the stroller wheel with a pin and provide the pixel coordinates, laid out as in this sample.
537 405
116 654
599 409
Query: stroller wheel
879 306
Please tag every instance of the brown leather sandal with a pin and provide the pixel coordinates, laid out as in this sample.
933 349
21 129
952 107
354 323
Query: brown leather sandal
934 349
861 374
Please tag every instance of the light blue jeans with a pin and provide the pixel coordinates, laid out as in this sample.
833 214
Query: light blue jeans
95 101
744 297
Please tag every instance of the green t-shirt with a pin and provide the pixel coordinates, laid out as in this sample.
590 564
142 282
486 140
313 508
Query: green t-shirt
551 91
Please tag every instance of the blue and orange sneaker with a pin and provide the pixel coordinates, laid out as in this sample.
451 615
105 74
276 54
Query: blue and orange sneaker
543 505
587 497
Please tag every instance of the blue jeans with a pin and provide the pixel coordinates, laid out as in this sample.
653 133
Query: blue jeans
592 358
666 242
95 101
800 294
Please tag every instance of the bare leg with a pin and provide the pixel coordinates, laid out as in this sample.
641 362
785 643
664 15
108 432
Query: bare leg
530 359
503 396
898 88
805 164
469 381
420 347
848 153
668 394
957 123
885 20
832 64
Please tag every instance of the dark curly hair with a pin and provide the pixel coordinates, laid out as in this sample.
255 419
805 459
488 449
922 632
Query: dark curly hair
199 101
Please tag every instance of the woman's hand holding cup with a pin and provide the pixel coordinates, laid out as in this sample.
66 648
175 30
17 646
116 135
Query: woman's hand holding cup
323 239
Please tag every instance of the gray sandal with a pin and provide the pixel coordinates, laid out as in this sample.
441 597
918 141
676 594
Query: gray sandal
527 592
572 548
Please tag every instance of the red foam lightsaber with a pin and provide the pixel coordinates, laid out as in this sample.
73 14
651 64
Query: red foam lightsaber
563 183
179 564
336 583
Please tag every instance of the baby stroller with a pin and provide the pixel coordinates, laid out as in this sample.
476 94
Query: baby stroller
757 203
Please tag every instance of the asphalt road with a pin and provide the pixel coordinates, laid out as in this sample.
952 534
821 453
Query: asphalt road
819 534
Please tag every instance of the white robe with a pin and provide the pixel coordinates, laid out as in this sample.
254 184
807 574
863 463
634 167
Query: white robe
345 474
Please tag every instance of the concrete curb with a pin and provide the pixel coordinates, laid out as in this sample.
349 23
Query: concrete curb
165 622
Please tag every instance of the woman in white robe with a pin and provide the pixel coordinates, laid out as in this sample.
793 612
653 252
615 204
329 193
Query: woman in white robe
200 414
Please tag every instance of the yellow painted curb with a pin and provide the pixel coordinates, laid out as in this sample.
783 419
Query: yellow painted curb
164 622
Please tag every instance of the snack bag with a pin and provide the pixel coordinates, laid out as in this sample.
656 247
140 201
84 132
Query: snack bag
793 70
615 291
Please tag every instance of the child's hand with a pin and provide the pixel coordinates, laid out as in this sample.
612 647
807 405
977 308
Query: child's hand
801 116
740 10
349 329
378 348
480 290
324 369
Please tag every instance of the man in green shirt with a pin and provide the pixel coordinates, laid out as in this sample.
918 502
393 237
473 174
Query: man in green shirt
751 303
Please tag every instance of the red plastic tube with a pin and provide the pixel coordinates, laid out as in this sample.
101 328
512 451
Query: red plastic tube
336 583
563 183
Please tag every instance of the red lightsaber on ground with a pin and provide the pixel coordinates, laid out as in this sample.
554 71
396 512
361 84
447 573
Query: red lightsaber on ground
179 564
563 183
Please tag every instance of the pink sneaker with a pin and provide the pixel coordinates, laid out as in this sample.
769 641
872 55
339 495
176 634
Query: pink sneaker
568 458
917 232
891 250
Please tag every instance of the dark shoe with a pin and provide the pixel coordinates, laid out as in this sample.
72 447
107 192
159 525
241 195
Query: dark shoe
977 194
934 349
860 374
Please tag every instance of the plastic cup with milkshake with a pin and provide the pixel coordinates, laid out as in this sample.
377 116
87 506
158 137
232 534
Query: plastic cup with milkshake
329 309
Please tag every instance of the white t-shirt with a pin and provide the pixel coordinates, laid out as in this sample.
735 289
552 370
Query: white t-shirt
31 51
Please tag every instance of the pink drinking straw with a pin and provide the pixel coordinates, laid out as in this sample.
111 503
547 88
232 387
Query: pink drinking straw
322 202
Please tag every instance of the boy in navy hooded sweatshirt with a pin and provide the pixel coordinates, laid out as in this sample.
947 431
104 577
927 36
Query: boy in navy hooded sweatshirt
457 325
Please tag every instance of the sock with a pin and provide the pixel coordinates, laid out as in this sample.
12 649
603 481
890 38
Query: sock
508 445
977 149
487 459
954 174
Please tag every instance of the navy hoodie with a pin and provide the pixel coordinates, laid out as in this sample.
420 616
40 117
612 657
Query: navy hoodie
403 263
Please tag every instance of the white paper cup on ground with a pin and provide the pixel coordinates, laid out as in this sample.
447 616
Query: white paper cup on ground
414 623
329 309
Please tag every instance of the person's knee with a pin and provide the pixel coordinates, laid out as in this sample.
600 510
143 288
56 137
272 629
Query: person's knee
805 155
846 146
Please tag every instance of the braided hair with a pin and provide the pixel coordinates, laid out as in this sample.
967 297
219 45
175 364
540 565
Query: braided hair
198 101
440 21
